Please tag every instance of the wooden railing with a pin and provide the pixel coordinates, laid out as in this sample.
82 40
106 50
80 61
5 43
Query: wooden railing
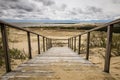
46 42
109 26
59 42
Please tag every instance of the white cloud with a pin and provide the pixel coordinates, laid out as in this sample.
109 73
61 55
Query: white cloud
59 9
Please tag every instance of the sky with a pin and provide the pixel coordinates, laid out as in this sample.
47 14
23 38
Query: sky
60 9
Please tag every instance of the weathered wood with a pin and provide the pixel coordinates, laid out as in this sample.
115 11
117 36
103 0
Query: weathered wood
52 63
5 47
74 43
46 44
51 42
88 42
79 44
106 24
29 45
19 28
100 27
108 49
38 44
59 39
43 44
68 43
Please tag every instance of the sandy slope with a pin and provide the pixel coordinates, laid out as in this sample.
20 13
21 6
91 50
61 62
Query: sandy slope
20 42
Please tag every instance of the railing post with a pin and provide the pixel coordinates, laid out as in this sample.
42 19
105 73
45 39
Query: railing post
88 42
38 44
74 43
108 49
46 44
29 45
68 43
43 44
51 42
5 47
79 44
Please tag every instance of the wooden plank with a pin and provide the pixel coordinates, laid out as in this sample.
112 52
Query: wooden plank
108 49
59 39
5 47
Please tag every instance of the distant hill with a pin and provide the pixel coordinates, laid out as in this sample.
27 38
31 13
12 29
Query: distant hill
27 24
57 21
32 23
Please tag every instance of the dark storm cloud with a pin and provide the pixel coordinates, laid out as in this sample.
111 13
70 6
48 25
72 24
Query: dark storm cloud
16 4
64 6
75 11
116 1
46 2
1 13
24 4
88 11
52 9
23 7
17 8
11 0
94 9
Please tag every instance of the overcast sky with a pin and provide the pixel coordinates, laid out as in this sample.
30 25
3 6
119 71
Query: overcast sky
60 9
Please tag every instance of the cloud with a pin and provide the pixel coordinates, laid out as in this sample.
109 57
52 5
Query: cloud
17 5
116 1
46 2
51 9
94 9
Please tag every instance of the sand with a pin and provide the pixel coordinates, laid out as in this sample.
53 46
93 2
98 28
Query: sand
20 42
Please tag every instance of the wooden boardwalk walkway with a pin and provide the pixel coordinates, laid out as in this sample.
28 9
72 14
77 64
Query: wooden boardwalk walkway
58 63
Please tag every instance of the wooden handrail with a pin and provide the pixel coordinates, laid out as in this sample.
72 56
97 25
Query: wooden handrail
17 27
48 41
109 27
99 27
3 26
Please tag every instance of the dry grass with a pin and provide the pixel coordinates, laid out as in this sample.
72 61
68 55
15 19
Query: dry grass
18 39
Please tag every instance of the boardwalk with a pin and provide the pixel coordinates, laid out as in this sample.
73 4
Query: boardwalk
58 63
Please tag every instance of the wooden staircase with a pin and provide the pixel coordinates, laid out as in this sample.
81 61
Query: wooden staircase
58 63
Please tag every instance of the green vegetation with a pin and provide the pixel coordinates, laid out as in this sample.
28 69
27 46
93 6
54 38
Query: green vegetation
98 39
116 44
14 54
84 27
